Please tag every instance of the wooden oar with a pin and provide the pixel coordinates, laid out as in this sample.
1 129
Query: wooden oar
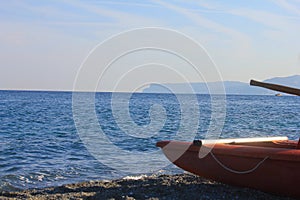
279 88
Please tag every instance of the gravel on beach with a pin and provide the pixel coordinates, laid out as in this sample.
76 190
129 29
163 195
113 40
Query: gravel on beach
181 186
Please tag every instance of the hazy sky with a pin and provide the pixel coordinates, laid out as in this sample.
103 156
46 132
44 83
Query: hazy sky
43 43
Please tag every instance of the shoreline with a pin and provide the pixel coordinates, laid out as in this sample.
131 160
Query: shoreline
179 186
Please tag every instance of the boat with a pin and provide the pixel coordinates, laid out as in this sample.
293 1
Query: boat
268 164
278 95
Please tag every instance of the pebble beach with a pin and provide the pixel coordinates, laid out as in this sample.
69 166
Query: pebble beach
155 187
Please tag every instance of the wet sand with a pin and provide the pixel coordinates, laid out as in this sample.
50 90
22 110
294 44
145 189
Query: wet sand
181 186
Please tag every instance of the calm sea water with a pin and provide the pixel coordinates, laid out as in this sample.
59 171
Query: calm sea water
40 146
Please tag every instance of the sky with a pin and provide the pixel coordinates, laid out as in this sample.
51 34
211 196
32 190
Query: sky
44 43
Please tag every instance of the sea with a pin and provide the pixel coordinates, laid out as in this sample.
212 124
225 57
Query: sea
46 140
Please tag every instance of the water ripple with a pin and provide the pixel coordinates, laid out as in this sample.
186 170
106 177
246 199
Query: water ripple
39 145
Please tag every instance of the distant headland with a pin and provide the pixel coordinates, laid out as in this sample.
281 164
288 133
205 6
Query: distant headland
231 87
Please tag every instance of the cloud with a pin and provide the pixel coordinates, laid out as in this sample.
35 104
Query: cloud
204 22
227 41
120 18
92 14
268 19
128 3
291 7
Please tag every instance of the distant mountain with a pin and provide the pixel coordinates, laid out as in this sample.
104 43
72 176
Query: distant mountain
291 81
231 87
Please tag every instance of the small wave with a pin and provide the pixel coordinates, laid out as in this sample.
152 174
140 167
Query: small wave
5 186
138 177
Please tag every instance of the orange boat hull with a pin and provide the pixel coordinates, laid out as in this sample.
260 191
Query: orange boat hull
270 167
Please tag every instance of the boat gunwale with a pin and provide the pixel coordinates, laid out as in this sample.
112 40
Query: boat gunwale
238 150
